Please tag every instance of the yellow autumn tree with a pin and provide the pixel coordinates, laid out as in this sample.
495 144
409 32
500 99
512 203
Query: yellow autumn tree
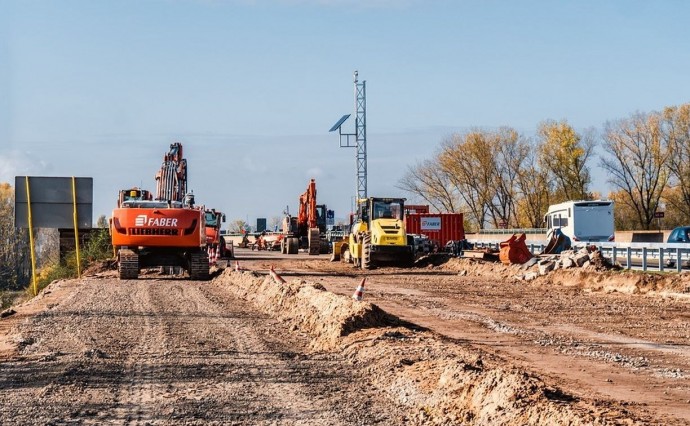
14 265
564 154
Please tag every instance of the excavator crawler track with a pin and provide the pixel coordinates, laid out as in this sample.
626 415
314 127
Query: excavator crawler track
314 241
128 266
198 266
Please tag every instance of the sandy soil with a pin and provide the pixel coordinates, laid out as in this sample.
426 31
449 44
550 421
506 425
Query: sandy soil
615 338
446 342
161 351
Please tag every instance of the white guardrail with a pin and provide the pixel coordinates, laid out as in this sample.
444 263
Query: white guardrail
644 256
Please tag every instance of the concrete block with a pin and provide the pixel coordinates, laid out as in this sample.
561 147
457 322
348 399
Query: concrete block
546 268
567 262
581 258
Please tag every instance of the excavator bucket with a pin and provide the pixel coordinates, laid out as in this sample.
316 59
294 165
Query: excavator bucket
514 250
559 242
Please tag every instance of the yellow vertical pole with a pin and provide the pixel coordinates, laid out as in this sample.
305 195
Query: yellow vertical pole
31 236
76 225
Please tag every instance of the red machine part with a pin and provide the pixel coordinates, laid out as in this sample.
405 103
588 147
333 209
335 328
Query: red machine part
439 227
306 217
514 250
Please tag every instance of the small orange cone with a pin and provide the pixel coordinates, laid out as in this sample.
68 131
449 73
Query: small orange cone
237 266
277 277
210 255
217 254
359 293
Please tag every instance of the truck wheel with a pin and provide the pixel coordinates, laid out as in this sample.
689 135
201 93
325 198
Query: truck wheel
292 245
366 251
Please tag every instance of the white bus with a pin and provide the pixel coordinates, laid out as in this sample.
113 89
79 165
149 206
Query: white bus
582 221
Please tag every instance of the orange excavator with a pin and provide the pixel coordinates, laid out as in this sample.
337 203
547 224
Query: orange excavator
306 230
168 230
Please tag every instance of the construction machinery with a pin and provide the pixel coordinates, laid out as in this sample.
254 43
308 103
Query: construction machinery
215 242
168 230
308 229
377 235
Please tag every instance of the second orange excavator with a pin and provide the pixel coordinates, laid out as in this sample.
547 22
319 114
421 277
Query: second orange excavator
308 229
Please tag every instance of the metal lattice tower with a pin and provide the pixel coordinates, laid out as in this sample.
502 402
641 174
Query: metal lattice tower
360 136
361 132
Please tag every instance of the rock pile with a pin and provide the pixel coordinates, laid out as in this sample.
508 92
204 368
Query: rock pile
586 258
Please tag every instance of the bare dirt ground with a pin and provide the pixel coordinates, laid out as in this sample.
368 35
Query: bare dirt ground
456 343
162 351
620 338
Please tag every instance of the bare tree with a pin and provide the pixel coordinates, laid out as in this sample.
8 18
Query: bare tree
467 160
676 131
428 181
509 152
238 225
276 222
637 162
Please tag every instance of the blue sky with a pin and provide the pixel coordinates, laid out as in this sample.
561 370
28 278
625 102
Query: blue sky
101 88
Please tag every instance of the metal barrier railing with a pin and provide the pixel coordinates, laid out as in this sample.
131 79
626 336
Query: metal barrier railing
645 256
511 231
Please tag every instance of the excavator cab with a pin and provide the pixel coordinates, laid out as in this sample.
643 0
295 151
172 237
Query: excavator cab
133 194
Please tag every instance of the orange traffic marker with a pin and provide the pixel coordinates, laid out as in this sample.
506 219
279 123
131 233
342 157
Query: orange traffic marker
359 293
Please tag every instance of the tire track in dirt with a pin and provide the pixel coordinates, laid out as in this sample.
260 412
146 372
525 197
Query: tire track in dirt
159 351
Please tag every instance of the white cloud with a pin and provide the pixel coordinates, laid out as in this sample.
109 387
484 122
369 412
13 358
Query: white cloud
21 163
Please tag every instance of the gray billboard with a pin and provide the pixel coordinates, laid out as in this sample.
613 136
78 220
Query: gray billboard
51 202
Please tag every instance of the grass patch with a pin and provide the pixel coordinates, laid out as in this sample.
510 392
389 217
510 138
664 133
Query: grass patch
97 248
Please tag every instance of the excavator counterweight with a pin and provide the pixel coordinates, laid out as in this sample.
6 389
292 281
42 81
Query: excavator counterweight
168 231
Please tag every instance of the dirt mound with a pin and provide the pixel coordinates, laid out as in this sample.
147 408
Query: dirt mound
433 259
444 383
629 282
480 268
598 276
433 379
324 315
101 266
